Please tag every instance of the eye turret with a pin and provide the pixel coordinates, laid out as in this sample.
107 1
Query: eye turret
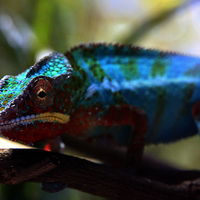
42 94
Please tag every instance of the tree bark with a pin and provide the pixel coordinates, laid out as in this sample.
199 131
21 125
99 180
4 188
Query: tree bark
34 165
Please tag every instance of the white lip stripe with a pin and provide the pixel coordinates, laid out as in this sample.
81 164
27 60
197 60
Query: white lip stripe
43 117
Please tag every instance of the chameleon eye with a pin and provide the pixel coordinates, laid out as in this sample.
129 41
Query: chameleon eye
43 94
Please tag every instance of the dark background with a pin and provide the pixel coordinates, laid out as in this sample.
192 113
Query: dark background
31 28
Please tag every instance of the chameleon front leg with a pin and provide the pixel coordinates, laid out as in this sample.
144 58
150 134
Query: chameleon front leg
117 116
137 118
54 144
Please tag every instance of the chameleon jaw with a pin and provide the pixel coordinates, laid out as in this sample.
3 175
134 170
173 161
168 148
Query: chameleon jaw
43 117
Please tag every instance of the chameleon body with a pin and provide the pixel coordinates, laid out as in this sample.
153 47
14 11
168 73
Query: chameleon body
93 86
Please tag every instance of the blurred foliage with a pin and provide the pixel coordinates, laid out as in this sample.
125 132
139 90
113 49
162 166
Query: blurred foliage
136 33
28 28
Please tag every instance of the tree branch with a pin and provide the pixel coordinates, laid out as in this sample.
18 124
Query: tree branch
34 165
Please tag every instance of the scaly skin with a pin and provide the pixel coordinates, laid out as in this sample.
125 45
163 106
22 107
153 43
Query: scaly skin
93 86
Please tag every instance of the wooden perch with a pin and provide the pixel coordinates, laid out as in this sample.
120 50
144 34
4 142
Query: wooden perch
34 165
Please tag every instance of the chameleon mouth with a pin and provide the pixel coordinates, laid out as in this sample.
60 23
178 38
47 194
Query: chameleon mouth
43 117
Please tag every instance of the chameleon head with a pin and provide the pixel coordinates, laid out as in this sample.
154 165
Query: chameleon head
34 105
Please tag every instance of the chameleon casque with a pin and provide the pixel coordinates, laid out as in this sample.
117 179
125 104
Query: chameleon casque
104 85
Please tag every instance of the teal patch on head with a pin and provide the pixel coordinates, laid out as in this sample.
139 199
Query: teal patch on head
52 66
11 88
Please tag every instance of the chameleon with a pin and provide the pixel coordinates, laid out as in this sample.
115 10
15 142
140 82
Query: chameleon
94 89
